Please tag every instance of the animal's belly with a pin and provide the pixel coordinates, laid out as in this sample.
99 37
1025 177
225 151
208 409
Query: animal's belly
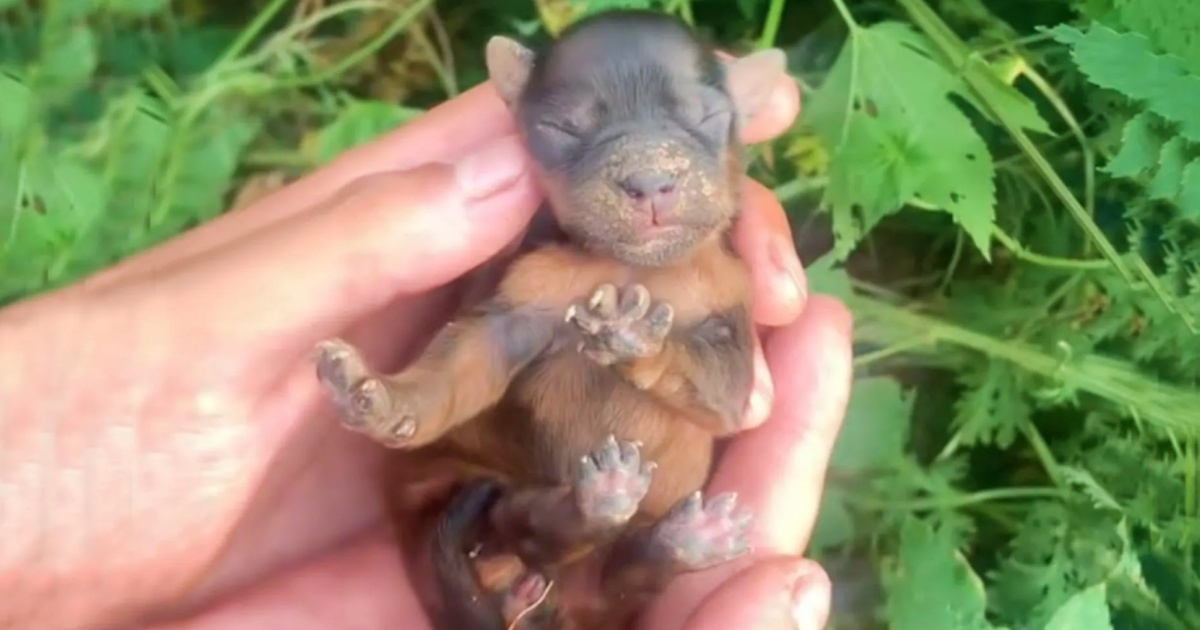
573 405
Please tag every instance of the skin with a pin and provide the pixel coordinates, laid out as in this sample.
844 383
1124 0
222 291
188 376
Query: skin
252 508
677 372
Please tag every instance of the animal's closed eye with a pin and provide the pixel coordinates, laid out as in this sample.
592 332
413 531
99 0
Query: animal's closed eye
558 129
715 122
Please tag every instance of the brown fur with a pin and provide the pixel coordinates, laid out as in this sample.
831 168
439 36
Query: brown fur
506 401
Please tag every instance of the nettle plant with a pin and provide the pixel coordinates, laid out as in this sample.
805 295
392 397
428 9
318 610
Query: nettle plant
1009 193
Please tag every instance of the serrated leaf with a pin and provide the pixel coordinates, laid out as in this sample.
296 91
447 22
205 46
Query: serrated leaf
1188 199
875 428
1086 610
1170 25
892 140
995 81
992 407
1169 176
1128 63
1016 105
933 586
1140 146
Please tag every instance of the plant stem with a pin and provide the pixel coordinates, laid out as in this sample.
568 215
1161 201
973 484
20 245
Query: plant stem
250 32
771 27
975 498
1046 261
404 19
847 17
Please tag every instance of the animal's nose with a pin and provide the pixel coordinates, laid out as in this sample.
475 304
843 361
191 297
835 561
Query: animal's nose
646 185
654 191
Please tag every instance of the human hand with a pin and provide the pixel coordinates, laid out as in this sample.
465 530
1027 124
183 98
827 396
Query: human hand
192 454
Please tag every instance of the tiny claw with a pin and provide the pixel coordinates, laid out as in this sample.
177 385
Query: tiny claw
630 451
405 429
596 299
635 301
572 313
610 452
588 469
723 504
742 517
692 504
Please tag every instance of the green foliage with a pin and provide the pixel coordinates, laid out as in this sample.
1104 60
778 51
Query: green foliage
1013 194
894 141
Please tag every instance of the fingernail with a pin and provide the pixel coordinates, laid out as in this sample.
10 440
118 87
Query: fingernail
491 168
788 274
761 396
810 603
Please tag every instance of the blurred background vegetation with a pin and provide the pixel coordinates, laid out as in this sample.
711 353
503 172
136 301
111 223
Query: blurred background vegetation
1004 191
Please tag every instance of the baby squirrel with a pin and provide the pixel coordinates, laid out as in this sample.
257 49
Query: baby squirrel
579 402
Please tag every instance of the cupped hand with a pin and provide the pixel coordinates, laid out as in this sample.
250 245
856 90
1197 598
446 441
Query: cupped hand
168 454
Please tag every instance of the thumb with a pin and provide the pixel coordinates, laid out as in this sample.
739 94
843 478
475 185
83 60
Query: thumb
382 236
780 593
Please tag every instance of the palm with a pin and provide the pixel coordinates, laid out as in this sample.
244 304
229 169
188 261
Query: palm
185 390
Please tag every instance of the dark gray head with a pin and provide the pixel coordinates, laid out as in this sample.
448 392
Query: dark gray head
633 123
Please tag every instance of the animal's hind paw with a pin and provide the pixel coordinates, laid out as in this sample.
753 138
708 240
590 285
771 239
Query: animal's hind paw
612 482
699 536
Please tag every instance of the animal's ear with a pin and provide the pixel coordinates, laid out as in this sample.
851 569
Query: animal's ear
508 65
750 80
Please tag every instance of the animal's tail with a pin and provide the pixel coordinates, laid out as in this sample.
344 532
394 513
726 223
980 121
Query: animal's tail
465 604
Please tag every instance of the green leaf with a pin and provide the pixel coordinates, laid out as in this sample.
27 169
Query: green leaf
1169 24
894 136
933 586
1128 63
1086 610
993 406
136 8
1189 193
1140 146
834 525
589 7
823 278
68 58
1166 181
16 107
875 428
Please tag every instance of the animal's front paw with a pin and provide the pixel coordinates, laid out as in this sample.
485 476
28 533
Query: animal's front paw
620 324
612 482
389 412
699 536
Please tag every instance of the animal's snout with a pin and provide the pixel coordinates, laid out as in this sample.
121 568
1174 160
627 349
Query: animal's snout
651 192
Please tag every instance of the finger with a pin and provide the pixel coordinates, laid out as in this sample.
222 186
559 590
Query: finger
763 237
445 133
364 586
778 469
776 115
386 236
762 396
781 593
